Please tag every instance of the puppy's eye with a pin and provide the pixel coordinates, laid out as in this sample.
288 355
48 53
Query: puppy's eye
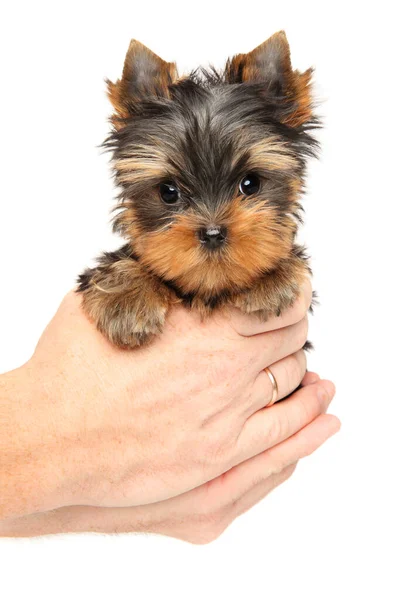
169 193
250 184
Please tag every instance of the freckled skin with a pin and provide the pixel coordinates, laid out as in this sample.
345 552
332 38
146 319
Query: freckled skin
203 133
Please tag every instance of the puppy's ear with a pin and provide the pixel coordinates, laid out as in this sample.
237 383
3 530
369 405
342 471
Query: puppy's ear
145 74
269 64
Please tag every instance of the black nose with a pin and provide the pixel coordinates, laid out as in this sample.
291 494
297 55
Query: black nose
213 236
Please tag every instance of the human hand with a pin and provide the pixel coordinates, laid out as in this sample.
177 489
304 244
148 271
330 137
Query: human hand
107 427
202 514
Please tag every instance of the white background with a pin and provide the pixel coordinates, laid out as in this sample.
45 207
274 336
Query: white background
332 531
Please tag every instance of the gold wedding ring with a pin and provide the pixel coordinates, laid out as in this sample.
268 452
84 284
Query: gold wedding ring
274 387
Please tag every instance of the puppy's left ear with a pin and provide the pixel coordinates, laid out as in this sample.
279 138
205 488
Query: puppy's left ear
270 64
144 75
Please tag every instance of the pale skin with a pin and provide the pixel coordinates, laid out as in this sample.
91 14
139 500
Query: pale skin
173 438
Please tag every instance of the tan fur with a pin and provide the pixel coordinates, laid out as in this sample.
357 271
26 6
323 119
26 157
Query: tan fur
274 155
176 254
296 186
141 166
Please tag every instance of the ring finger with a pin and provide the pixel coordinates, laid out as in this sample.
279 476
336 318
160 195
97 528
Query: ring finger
288 373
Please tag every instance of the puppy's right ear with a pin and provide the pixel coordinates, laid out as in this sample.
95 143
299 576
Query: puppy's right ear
145 74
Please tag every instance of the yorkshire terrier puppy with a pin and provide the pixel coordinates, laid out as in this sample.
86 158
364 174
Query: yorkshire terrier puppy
211 169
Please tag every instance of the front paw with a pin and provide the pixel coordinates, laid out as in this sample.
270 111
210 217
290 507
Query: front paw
127 305
129 324
266 301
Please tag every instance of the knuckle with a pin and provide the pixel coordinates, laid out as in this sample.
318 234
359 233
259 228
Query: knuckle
306 294
324 393
301 365
299 309
279 467
282 470
313 403
294 368
302 332
276 430
302 304
205 536
308 409
286 365
288 471
233 322
288 368
209 527
321 394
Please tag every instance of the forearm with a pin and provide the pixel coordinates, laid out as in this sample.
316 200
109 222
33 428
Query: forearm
36 470
79 519
31 468
56 521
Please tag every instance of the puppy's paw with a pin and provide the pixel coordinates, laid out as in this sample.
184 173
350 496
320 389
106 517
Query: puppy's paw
128 323
127 304
266 300
276 291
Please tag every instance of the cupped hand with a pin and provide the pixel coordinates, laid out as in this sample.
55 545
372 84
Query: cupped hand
108 427
202 514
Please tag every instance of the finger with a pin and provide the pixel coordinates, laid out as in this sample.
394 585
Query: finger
270 426
310 378
250 324
288 374
260 491
288 453
251 480
268 348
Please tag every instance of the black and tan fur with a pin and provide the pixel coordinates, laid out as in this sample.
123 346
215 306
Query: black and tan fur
204 132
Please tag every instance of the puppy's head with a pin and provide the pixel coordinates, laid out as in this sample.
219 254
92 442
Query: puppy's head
211 165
